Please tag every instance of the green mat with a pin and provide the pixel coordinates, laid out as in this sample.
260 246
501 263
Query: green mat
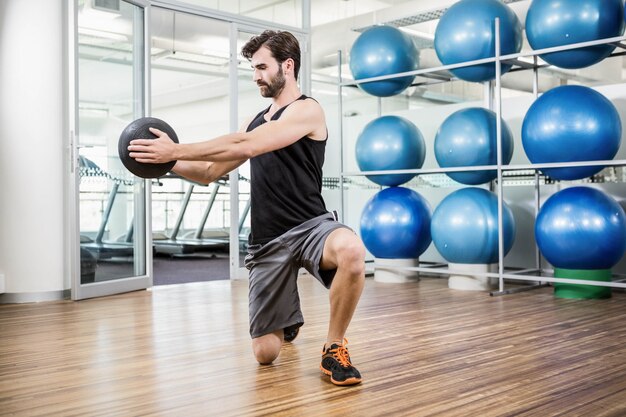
582 291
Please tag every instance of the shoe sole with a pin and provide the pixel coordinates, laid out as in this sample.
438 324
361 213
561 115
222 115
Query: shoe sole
349 381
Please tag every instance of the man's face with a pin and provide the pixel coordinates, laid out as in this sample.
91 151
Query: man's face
268 74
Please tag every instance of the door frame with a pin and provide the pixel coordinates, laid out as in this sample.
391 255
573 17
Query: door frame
142 206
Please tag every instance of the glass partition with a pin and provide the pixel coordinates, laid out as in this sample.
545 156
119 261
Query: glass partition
190 58
110 94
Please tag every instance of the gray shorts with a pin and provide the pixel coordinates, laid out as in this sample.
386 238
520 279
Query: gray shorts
273 295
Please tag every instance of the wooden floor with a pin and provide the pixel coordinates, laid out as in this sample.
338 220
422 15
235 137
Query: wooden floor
423 350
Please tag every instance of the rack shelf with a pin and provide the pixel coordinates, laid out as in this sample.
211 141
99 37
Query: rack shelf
539 274
514 59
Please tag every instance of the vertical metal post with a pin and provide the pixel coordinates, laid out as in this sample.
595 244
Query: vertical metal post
538 262
142 188
488 94
379 113
535 78
341 142
498 107
537 207
233 177
306 82
72 239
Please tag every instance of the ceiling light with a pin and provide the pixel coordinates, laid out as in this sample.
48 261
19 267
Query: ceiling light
102 34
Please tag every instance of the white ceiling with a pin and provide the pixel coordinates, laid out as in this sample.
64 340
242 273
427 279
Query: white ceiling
189 51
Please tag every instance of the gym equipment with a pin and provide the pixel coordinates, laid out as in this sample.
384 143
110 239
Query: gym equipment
383 50
551 23
179 242
200 240
466 32
468 138
395 224
98 246
581 231
582 291
139 129
568 124
390 143
464 227
88 266
581 228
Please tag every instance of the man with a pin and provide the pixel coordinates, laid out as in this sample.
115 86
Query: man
290 226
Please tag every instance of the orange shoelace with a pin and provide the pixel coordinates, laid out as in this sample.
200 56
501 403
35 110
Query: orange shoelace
341 354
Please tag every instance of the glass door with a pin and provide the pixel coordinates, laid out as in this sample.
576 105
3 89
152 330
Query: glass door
111 232
189 74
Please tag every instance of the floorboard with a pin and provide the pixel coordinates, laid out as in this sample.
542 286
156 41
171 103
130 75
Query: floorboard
423 350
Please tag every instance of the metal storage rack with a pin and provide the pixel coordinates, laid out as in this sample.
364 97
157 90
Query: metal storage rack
440 74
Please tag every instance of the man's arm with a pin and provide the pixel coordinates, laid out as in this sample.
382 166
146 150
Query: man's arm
206 172
301 118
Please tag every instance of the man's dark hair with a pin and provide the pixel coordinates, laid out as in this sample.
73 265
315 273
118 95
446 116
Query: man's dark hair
283 46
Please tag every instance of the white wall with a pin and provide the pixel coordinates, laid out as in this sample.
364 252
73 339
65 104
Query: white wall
31 146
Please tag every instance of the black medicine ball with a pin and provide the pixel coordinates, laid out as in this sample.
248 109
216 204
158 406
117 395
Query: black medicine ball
139 129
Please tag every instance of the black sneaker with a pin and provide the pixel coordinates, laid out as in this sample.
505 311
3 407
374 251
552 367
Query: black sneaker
291 332
336 363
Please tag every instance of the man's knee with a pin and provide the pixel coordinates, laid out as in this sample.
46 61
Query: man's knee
267 347
351 257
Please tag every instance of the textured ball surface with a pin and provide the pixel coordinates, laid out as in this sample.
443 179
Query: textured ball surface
581 228
140 129
390 143
571 124
468 138
551 23
464 227
395 224
466 32
383 50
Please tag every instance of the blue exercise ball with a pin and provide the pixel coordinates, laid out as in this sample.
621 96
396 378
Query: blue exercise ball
581 228
569 124
383 50
390 143
464 227
466 32
551 23
468 138
395 224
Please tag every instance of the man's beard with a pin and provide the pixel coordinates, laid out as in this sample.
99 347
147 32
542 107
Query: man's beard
275 85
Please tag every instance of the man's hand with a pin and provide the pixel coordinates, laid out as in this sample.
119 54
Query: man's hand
153 151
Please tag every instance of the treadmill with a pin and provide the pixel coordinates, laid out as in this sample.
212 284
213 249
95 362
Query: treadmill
199 240
97 246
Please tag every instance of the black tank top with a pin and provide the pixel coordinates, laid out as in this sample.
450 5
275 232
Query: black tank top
286 185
